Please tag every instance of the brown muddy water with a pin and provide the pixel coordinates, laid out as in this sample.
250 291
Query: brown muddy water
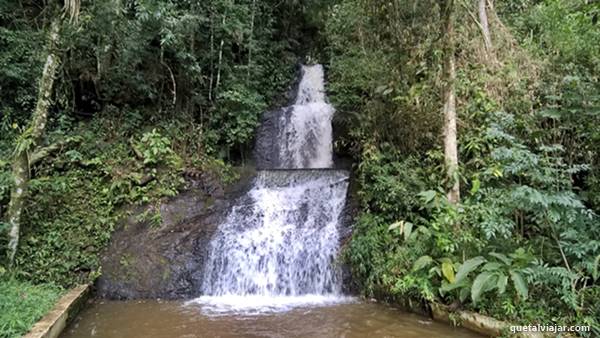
160 319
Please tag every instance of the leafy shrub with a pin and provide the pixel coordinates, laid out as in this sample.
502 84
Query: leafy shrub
494 275
61 238
236 118
156 149
410 242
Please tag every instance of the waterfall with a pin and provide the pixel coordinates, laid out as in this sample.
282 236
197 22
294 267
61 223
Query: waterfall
278 246
305 128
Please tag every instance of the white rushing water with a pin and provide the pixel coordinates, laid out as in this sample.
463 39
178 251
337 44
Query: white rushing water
278 247
305 129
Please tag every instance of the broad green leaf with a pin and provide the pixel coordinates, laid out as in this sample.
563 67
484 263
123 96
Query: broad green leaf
464 293
451 286
448 271
468 266
501 257
407 230
520 284
491 266
427 196
422 262
475 185
480 285
424 230
502 281
445 260
492 283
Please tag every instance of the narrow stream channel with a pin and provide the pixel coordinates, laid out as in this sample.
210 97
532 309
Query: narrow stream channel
273 266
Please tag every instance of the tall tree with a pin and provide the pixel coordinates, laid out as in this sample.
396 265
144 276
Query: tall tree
449 95
485 27
27 150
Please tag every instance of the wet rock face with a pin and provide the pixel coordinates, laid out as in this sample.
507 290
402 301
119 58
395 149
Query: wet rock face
266 149
349 214
165 260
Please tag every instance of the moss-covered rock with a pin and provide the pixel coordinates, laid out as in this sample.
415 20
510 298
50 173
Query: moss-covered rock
165 260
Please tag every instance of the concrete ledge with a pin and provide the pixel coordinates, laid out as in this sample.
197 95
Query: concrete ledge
67 307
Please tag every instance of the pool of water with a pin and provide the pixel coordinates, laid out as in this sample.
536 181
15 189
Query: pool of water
349 318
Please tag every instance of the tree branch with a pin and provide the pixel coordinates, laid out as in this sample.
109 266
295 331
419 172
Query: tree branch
42 152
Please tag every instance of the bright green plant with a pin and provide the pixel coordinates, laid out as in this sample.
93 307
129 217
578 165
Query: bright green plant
155 148
494 275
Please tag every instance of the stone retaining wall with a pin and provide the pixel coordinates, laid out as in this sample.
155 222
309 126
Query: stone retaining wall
63 312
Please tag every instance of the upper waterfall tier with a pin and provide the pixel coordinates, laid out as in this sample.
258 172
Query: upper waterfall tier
305 133
312 86
299 136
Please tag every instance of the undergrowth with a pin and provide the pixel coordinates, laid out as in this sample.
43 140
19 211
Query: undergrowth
523 244
23 303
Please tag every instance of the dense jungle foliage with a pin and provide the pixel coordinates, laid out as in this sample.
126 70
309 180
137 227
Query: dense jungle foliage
524 242
145 91
148 89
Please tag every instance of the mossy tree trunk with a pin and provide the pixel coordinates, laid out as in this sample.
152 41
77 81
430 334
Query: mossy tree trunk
449 95
485 27
30 139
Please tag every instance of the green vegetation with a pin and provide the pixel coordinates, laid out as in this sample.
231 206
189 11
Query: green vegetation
147 89
22 304
143 91
523 244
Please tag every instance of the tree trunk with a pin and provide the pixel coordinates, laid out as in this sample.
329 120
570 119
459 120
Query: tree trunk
449 109
485 27
72 8
30 139
252 18
212 66
220 62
